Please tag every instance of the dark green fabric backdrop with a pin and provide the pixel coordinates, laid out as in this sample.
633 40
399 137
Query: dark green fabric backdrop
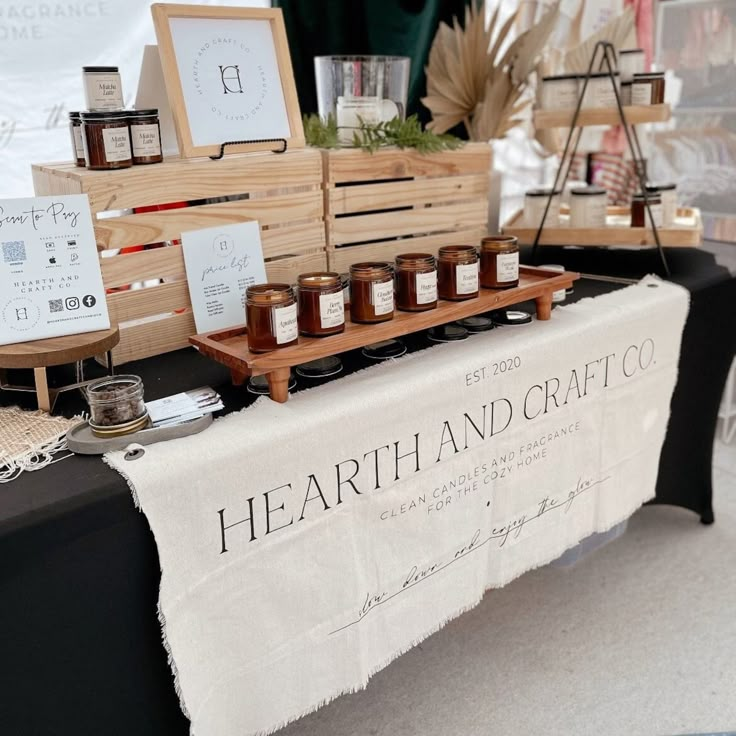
400 27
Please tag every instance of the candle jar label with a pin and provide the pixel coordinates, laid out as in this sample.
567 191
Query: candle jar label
117 144
285 324
507 267
641 93
466 278
331 310
146 140
383 297
78 144
103 92
657 215
426 284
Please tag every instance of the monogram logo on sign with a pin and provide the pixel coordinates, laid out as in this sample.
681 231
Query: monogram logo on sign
230 76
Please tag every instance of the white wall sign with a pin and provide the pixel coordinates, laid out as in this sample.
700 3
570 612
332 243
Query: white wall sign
222 262
50 280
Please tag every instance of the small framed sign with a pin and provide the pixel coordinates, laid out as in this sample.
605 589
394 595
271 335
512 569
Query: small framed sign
228 77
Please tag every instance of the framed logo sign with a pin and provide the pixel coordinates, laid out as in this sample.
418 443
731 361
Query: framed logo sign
228 77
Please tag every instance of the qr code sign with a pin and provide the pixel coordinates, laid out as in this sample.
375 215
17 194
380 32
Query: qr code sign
14 251
56 305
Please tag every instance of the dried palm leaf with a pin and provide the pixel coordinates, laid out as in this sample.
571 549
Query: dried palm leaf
617 31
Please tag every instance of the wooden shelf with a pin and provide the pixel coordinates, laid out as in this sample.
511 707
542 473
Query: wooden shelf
230 347
635 115
686 233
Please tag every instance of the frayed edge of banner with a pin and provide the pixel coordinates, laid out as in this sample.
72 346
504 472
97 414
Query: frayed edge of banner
170 658
118 469
35 459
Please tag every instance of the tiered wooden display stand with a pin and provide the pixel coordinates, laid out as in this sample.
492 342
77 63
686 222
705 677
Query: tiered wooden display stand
230 347
283 192
398 200
688 230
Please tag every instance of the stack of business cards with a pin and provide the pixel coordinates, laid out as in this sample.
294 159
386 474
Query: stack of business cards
184 407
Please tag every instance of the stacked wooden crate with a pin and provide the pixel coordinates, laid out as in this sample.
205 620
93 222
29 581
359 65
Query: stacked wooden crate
282 192
394 201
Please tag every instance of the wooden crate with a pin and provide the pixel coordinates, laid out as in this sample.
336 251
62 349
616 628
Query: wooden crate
284 194
392 201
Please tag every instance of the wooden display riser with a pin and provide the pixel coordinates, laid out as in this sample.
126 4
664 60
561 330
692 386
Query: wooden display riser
133 207
230 347
687 232
394 200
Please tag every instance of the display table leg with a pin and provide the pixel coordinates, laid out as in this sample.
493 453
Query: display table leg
237 377
278 384
42 389
544 306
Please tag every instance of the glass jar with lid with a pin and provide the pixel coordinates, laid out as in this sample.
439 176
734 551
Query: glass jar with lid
535 202
102 88
457 272
499 262
116 405
75 128
371 292
416 282
588 207
639 214
145 136
270 313
321 304
106 140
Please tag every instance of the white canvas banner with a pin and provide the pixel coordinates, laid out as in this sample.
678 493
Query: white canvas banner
305 545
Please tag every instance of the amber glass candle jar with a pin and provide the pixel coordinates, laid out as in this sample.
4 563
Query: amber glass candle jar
457 272
145 136
416 282
75 128
270 311
499 262
371 292
106 139
321 304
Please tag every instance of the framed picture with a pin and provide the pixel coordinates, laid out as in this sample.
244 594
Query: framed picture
228 77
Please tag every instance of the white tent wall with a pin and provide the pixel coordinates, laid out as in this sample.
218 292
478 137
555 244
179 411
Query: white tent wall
43 46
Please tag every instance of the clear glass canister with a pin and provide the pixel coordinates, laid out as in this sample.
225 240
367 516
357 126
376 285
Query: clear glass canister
270 313
371 292
115 401
457 272
416 282
321 304
499 262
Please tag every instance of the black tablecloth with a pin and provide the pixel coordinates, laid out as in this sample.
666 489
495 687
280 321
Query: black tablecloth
81 648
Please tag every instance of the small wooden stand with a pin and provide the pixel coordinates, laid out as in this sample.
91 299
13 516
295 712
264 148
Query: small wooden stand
41 354
230 347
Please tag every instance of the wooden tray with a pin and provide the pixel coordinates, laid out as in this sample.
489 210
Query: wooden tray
686 233
635 115
230 347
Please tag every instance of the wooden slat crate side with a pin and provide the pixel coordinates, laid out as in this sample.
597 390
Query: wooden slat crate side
156 227
370 197
154 337
185 180
125 306
47 183
354 165
291 240
420 221
160 263
340 259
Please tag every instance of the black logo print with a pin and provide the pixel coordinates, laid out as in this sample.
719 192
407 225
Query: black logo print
230 76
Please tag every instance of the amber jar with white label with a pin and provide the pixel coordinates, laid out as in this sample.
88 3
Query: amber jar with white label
371 292
75 128
321 304
416 282
145 136
457 272
499 262
270 312
106 140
